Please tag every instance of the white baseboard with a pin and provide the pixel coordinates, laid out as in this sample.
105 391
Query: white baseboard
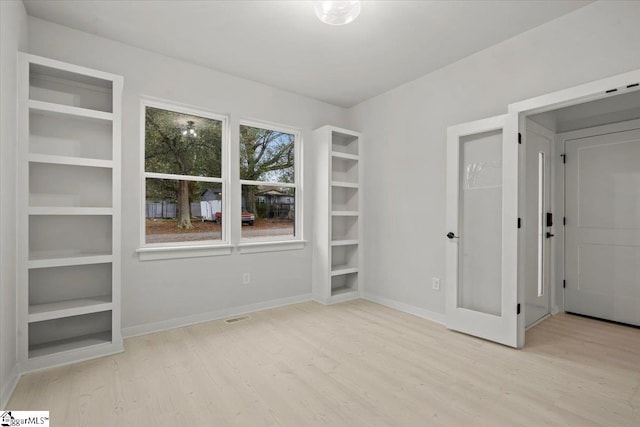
164 325
70 358
405 308
337 298
9 386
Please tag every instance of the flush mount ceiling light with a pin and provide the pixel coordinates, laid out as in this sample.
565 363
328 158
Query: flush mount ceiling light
337 12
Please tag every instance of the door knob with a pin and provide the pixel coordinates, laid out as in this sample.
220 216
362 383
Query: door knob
451 235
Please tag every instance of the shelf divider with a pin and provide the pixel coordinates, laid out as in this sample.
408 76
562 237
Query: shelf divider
75 307
342 290
345 213
343 269
50 107
71 161
344 242
342 155
344 184
64 210
75 343
45 262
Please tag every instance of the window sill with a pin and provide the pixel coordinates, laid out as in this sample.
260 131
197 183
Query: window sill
175 252
258 247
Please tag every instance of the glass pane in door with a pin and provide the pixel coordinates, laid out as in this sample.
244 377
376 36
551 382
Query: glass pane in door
541 223
480 227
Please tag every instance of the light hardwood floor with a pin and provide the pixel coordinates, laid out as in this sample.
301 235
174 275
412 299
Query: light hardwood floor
350 364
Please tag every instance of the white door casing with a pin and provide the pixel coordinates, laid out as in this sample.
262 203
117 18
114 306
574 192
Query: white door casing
482 215
602 193
537 248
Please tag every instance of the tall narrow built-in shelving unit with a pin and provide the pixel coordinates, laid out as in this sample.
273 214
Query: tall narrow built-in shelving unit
68 213
337 265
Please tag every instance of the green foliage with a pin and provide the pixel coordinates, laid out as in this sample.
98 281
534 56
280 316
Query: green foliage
181 144
266 155
261 209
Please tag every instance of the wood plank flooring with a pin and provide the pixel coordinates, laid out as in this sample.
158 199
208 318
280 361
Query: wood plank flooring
350 364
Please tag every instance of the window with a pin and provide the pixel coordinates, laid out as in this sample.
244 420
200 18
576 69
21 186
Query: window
270 183
184 176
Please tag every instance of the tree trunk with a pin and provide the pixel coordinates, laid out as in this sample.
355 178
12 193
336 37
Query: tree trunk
251 200
184 206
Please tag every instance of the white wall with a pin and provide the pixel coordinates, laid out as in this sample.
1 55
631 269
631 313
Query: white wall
405 133
13 37
160 292
404 158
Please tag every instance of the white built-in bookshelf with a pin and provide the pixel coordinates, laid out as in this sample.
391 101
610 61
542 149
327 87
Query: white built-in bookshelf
68 213
337 265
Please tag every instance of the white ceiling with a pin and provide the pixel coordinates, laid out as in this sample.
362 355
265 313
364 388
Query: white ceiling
283 44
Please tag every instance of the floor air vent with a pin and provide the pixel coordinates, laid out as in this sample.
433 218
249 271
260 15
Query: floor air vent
237 319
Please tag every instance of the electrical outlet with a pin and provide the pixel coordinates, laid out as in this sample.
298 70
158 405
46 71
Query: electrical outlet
435 283
246 278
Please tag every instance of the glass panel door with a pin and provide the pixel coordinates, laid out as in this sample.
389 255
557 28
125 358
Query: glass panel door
482 214
480 247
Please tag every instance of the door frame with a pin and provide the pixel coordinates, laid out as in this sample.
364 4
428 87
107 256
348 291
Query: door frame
531 126
518 111
560 188
516 123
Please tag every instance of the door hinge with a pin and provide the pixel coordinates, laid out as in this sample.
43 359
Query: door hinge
518 309
564 284
564 220
519 222
564 158
519 138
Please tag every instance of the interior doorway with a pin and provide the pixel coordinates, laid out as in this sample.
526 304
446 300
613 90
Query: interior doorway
486 157
582 235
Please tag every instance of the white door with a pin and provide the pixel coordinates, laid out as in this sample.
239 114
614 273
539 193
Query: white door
538 221
602 255
482 214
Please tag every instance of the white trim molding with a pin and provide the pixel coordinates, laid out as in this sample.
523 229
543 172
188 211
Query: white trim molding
164 325
271 246
9 386
175 252
597 89
405 308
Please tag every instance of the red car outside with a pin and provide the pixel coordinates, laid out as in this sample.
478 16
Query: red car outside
247 218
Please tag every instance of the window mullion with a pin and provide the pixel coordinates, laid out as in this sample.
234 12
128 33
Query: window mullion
267 183
182 177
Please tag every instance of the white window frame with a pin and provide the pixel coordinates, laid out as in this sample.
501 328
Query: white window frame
252 245
153 251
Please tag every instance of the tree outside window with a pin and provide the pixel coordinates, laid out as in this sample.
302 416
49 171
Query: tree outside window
268 179
183 176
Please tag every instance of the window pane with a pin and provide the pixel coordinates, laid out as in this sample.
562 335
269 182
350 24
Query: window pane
266 155
480 245
167 200
541 223
267 212
182 144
